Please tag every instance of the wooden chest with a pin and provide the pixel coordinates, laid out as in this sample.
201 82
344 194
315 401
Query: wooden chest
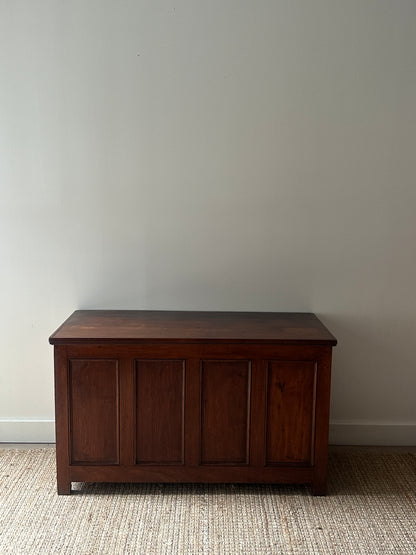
159 396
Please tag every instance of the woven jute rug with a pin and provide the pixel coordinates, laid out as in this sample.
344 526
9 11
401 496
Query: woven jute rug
370 509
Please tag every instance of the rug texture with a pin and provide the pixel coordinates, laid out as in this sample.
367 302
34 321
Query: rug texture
370 509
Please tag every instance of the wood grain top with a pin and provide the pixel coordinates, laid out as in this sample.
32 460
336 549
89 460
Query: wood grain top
140 326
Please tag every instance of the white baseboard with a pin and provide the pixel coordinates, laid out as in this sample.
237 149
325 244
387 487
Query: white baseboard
340 432
27 431
365 433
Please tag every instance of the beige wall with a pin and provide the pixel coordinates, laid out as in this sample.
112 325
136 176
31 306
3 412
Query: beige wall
212 155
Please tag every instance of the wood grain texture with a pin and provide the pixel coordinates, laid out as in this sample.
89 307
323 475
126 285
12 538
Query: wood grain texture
199 474
225 411
93 411
323 389
133 326
62 420
290 420
126 409
160 403
236 398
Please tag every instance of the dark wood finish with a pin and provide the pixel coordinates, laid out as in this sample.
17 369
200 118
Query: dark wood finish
160 403
192 397
323 387
63 477
225 411
204 474
136 326
126 410
93 411
258 413
192 411
290 412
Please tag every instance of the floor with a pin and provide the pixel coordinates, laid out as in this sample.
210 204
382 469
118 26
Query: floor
370 509
26 445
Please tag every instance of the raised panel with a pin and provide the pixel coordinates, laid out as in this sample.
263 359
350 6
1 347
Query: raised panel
225 411
160 398
93 411
290 416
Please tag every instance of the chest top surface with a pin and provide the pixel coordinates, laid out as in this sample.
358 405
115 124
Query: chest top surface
139 326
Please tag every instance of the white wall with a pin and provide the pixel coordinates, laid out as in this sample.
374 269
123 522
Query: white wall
228 154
